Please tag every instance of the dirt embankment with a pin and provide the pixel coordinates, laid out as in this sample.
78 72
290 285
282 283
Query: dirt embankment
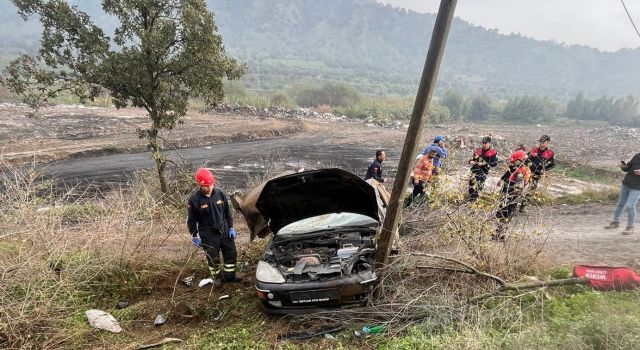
62 132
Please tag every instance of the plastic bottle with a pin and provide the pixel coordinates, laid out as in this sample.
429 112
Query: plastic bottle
373 329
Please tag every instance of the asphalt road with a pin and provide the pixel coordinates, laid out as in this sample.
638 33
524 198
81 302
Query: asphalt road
233 163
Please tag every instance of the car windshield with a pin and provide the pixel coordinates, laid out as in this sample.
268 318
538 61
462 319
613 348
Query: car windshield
327 221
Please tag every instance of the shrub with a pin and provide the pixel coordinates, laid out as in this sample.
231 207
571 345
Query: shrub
335 95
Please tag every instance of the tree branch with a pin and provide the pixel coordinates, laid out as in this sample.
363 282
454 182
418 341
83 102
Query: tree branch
472 269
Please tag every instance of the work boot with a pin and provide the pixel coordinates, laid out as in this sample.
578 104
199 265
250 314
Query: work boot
629 230
613 224
217 283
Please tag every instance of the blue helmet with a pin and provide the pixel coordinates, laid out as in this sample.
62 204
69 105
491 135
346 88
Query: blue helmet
438 139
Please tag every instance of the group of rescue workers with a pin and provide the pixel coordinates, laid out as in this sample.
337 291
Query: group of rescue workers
518 183
210 222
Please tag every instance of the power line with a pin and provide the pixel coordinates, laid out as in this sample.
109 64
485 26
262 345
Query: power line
630 19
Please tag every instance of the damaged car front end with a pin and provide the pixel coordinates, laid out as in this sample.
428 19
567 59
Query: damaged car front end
323 225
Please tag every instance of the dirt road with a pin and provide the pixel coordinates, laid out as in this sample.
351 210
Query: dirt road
578 236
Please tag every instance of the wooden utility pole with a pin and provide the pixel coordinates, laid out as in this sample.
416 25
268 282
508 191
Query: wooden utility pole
423 98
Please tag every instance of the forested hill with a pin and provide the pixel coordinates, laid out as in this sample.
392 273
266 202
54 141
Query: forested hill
381 49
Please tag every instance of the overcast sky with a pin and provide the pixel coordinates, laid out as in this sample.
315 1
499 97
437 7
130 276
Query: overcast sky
598 23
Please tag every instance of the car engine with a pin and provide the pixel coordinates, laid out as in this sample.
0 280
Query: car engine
309 259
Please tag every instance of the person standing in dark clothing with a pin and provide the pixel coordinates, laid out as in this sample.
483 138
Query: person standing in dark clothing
540 160
211 227
629 195
484 158
514 182
375 168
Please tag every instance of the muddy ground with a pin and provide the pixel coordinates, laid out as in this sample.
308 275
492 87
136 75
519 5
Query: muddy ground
63 132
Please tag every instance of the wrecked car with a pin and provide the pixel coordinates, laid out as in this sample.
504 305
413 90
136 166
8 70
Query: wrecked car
322 226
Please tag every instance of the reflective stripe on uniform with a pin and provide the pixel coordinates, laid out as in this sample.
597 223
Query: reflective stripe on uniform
229 267
214 271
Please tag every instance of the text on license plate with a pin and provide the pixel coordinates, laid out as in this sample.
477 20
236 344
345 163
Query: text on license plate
315 296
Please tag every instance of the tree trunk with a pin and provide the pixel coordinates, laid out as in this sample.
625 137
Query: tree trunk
159 158
160 166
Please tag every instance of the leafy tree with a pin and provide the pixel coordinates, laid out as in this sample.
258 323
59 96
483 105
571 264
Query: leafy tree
438 113
623 111
529 109
455 101
162 52
336 95
481 108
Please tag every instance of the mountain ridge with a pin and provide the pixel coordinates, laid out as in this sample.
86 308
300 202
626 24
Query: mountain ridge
381 48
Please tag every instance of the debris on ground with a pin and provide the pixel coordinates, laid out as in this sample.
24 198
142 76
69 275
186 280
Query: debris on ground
188 281
204 282
102 320
373 329
122 304
329 337
311 333
159 343
160 319
216 315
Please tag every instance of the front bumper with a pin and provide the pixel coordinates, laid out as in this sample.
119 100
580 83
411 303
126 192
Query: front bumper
313 296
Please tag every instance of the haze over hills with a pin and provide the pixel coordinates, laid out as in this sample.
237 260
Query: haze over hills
381 50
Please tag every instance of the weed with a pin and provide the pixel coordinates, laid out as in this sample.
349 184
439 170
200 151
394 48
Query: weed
608 195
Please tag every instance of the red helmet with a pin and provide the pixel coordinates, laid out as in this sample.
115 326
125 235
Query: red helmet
204 177
518 155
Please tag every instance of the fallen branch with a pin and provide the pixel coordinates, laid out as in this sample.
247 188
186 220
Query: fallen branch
161 342
470 268
534 284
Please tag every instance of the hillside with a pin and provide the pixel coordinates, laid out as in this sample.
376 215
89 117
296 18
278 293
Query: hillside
381 49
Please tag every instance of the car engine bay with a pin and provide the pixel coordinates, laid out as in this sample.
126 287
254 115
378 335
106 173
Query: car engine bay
332 254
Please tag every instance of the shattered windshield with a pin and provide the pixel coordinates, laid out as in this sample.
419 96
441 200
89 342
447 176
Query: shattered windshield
327 221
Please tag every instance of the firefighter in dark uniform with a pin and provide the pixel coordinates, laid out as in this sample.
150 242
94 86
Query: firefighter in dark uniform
514 182
483 159
540 160
211 226
375 168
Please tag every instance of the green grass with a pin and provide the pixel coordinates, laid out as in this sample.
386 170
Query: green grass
586 320
585 173
588 196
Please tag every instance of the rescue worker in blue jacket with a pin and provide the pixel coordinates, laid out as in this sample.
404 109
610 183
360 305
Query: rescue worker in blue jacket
211 227
540 160
375 168
483 159
439 146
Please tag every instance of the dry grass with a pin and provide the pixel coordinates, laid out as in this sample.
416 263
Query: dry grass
59 253
62 252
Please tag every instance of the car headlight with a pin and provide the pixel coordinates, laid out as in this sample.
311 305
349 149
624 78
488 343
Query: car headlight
268 274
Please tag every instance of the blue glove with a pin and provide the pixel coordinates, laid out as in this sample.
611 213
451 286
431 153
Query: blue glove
232 233
196 242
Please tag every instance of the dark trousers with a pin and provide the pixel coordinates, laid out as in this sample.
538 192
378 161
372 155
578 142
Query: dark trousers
212 244
533 186
509 204
418 195
476 184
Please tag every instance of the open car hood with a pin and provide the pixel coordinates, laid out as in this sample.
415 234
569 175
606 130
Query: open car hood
292 197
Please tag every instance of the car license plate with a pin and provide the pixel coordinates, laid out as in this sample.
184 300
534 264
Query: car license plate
315 296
